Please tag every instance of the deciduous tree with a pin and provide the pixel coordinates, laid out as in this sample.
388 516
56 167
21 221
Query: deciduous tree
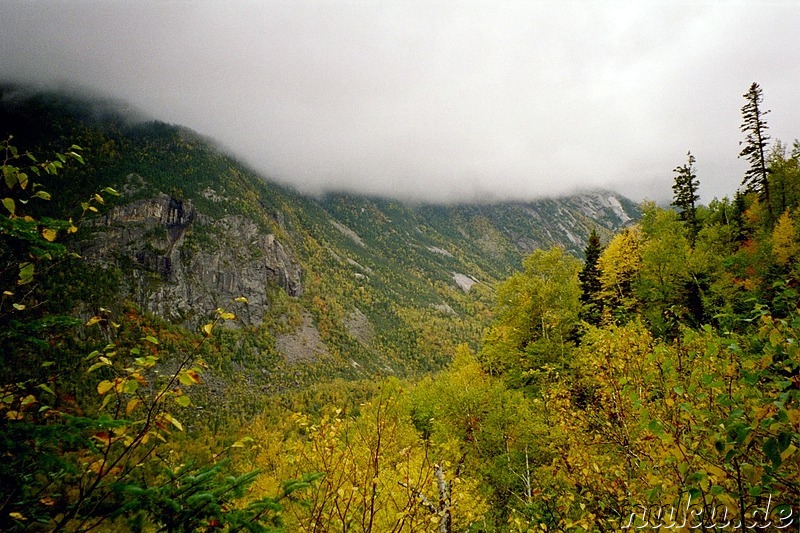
619 268
537 311
73 464
784 240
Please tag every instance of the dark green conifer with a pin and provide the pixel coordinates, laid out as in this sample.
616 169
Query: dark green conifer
756 177
739 207
685 196
589 280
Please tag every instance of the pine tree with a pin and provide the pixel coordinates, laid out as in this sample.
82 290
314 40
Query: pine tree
589 280
754 125
685 196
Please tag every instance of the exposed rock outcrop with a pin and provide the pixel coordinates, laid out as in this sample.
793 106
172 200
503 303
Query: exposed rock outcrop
302 345
359 326
185 264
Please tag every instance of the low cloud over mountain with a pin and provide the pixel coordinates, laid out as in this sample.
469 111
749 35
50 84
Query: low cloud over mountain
452 101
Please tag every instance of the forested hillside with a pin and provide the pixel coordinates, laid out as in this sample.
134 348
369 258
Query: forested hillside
337 286
186 347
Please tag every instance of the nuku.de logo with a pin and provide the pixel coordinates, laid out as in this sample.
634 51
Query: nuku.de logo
686 514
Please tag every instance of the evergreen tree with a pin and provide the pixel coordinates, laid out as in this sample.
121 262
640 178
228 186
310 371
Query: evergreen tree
737 216
589 280
685 196
754 125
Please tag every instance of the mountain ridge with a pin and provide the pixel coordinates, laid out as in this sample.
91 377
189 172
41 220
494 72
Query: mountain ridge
365 284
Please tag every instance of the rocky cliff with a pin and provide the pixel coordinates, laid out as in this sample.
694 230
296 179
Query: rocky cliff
185 264
359 284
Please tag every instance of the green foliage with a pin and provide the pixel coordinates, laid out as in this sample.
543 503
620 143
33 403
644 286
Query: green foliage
784 176
670 418
379 475
28 241
494 432
69 462
684 382
199 498
667 285
537 312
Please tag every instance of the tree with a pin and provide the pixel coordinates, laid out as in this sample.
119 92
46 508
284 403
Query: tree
784 240
676 419
537 311
28 243
619 266
487 432
378 473
754 125
73 463
589 280
666 286
784 175
685 196
739 206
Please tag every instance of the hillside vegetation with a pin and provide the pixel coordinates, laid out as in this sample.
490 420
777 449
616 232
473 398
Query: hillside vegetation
655 381
339 286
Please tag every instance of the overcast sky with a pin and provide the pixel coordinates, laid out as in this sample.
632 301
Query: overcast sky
443 101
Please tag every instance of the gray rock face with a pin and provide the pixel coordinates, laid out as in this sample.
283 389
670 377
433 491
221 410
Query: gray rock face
185 265
302 345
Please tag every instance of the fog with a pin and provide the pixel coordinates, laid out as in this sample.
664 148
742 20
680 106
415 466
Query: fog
445 101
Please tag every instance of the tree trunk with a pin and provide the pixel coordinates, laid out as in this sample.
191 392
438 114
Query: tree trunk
446 519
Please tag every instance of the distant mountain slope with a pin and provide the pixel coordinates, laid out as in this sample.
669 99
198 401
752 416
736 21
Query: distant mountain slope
341 285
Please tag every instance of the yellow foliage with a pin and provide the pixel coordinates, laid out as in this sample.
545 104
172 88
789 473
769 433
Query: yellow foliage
784 240
378 472
619 265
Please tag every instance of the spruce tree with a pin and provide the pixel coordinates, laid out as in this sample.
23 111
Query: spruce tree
754 125
589 280
737 216
685 196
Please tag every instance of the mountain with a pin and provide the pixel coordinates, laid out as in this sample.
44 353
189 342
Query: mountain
342 285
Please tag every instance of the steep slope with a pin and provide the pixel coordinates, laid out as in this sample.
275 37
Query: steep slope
341 285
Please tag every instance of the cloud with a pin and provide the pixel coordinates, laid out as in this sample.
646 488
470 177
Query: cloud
444 102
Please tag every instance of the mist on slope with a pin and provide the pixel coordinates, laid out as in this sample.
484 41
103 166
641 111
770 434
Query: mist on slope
447 102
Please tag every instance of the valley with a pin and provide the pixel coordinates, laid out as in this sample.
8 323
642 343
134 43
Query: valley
189 346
